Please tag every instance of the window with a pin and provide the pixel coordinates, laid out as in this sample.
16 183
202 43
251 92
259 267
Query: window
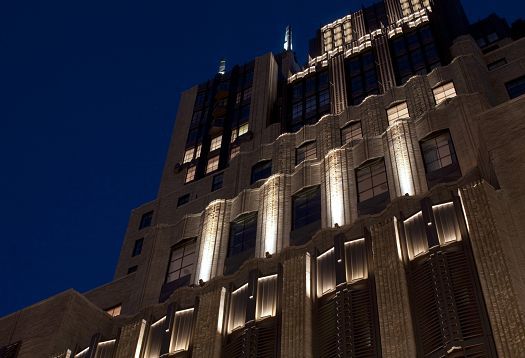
361 77
438 152
234 135
516 88
306 207
190 174
243 129
217 182
213 164
443 92
145 220
266 303
261 170
371 180
325 272
155 335
324 98
356 260
238 303
132 269
215 143
198 151
188 155
493 65
310 105
137 248
181 261
243 233
114 311
297 110
351 133
182 327
247 94
416 236
245 113
235 152
306 151
398 111
184 199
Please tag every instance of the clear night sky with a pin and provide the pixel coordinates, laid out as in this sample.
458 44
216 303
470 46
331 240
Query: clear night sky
88 96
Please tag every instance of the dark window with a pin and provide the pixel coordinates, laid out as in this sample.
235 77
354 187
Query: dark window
261 170
183 199
306 207
371 180
217 182
146 219
516 87
199 101
414 53
361 77
132 269
306 151
243 233
439 156
493 65
137 248
181 262
351 133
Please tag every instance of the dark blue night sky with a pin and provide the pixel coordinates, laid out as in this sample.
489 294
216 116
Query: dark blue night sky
88 95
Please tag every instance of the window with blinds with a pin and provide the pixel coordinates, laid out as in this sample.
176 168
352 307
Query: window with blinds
105 349
155 339
325 272
182 329
237 317
416 236
266 304
356 261
446 222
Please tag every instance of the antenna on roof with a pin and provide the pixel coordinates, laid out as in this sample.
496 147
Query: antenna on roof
222 66
288 39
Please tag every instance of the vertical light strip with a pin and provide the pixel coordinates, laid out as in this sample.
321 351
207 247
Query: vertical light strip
140 339
208 241
220 319
447 225
334 187
308 275
181 335
400 156
266 303
270 192
463 209
398 241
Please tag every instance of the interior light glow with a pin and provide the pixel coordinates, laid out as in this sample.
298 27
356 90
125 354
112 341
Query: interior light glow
210 239
308 275
181 336
400 154
334 187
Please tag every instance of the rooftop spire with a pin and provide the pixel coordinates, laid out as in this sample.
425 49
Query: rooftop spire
288 39
222 66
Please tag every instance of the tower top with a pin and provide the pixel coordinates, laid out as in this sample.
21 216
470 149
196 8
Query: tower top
222 66
288 39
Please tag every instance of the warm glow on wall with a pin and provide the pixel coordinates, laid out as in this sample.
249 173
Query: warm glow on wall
220 319
400 143
210 239
335 187
270 212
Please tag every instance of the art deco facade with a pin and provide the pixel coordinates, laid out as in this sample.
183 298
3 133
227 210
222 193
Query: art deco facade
368 204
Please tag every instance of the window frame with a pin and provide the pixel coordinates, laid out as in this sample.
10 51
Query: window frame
183 244
261 166
305 151
355 135
246 220
137 247
312 194
146 220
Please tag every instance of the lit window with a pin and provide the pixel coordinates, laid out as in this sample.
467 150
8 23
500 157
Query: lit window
239 299
243 129
215 143
325 272
351 133
356 261
181 335
155 335
266 302
137 248
181 262
188 155
198 151
213 164
235 152
416 237
261 170
398 111
305 152
146 220
443 92
446 222
438 152
190 174
371 180
114 311
234 135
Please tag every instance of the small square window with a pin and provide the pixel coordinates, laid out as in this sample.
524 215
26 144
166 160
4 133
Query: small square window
234 135
132 269
181 261
217 182
243 129
137 248
215 143
213 164
146 219
183 200
516 87
396 112
190 174
114 311
235 151
198 151
443 92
